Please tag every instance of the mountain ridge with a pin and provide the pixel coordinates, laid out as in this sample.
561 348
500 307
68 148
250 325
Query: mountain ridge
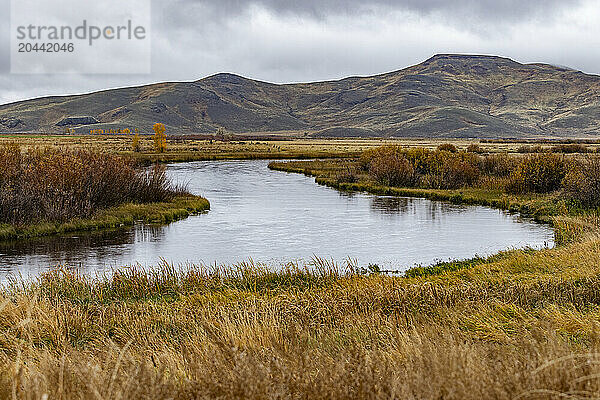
447 95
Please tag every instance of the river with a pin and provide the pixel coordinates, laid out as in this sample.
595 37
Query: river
274 217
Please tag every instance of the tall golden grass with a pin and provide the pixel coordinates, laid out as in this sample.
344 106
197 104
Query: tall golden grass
523 325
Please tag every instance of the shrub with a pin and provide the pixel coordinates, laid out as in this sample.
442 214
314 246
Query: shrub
447 147
538 173
500 165
474 148
582 183
389 167
531 149
421 159
347 175
451 171
394 166
366 157
570 148
58 185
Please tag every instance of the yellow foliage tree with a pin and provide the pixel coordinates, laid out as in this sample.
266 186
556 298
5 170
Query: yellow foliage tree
160 138
135 143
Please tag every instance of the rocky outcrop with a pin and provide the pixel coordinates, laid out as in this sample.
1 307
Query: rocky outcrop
71 121
11 122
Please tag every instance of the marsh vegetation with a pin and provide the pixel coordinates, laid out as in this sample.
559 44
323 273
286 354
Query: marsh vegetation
521 324
537 184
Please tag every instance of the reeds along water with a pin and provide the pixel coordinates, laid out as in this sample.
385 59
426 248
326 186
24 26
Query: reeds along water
169 281
50 184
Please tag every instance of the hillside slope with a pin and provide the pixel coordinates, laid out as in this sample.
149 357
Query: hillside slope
445 96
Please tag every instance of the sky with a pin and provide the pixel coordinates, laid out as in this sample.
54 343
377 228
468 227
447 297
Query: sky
311 40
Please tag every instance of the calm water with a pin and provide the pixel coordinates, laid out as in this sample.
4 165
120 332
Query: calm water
275 217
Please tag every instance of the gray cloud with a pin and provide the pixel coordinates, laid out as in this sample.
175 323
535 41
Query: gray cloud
488 10
4 38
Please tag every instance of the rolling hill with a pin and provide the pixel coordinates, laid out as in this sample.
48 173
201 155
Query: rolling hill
445 96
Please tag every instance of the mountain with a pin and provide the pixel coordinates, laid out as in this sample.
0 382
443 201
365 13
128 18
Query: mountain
445 96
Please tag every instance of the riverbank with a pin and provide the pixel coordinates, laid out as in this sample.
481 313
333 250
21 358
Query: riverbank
538 206
48 190
120 216
522 324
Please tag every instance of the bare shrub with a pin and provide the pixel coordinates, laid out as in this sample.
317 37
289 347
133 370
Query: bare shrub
390 167
447 147
347 175
394 166
452 171
500 165
582 183
539 173
58 185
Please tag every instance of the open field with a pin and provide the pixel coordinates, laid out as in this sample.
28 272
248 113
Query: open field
190 148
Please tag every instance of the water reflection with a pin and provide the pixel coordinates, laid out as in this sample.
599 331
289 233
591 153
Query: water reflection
395 206
390 205
82 250
274 217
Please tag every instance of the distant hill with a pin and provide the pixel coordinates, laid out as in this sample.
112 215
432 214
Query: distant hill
445 96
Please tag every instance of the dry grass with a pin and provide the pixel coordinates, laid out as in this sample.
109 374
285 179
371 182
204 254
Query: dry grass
524 325
186 148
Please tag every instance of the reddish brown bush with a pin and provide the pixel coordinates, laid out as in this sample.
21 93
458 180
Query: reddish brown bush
582 183
390 167
57 185
451 171
499 165
394 166
347 175
447 147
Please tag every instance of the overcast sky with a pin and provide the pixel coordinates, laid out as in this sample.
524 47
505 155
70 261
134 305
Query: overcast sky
307 40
